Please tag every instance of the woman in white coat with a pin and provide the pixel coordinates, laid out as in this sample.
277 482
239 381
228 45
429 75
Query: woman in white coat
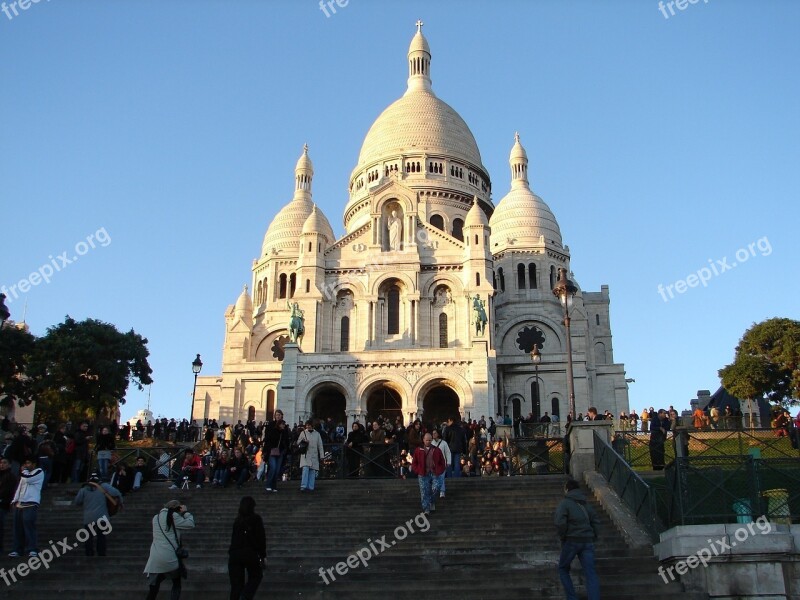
312 459
163 563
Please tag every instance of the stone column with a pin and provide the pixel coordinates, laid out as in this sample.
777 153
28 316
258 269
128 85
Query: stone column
580 436
287 386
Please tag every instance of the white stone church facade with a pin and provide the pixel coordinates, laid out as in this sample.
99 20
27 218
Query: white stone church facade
388 308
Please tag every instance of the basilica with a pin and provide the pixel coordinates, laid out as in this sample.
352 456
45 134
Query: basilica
430 304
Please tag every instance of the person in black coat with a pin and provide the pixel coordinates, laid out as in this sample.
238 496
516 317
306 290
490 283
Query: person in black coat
8 485
354 447
247 552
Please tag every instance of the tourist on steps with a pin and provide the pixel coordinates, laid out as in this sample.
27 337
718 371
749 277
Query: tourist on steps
163 562
247 551
310 461
577 523
26 502
429 464
92 497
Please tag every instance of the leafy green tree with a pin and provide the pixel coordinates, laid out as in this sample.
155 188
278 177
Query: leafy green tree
87 366
16 347
767 363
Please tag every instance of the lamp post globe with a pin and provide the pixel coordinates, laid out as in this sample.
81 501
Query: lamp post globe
565 290
197 366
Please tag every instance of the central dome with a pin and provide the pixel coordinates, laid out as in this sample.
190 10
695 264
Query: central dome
419 121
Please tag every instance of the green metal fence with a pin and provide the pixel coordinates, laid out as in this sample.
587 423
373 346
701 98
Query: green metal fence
630 487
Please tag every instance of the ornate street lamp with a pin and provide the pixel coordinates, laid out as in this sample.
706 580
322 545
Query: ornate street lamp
565 290
197 366
536 359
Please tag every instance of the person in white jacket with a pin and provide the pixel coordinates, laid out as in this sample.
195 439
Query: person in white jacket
163 562
26 508
448 458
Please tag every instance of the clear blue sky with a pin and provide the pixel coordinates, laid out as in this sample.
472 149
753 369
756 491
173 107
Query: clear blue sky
173 127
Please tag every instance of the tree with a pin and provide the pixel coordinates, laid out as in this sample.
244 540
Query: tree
89 365
16 347
767 363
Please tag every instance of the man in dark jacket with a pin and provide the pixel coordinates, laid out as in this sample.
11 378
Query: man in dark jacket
8 485
577 523
80 457
457 442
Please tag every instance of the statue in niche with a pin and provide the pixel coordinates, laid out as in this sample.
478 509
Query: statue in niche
395 226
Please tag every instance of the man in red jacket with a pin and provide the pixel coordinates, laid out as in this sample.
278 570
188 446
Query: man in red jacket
192 469
428 463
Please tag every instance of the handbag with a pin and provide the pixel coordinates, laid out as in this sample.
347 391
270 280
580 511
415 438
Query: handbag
301 445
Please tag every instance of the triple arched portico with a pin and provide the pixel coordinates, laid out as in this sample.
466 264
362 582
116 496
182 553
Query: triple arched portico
433 398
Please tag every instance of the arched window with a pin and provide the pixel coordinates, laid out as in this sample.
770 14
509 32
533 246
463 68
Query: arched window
264 294
442 330
308 285
258 293
520 276
438 222
344 344
597 319
494 280
536 404
477 278
393 311
554 410
292 284
532 283
270 403
552 277
282 286
458 229
502 279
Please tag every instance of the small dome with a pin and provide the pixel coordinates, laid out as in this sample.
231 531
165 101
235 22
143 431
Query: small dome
244 304
284 231
318 223
304 162
476 217
522 218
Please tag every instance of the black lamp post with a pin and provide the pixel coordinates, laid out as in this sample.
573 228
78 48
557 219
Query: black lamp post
564 290
4 312
536 358
197 366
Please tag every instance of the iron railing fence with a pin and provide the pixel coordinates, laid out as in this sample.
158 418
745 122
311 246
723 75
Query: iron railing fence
162 462
363 461
540 430
537 456
761 443
732 489
629 486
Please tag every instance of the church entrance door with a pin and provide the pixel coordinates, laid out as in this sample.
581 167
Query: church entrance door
329 402
386 402
440 403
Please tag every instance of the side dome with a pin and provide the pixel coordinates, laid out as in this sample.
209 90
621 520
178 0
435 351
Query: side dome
522 218
318 223
476 217
283 234
244 304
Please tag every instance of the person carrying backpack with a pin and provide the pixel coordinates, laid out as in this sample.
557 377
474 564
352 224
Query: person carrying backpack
577 526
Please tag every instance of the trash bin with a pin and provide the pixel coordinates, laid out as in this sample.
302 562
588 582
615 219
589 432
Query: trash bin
778 506
744 513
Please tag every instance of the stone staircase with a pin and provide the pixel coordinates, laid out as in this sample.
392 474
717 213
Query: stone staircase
490 538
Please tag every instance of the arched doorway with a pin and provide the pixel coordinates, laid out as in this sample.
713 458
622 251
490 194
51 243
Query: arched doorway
386 402
251 413
329 402
439 403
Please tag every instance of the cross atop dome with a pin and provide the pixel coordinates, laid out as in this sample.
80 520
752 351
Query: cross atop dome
419 25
